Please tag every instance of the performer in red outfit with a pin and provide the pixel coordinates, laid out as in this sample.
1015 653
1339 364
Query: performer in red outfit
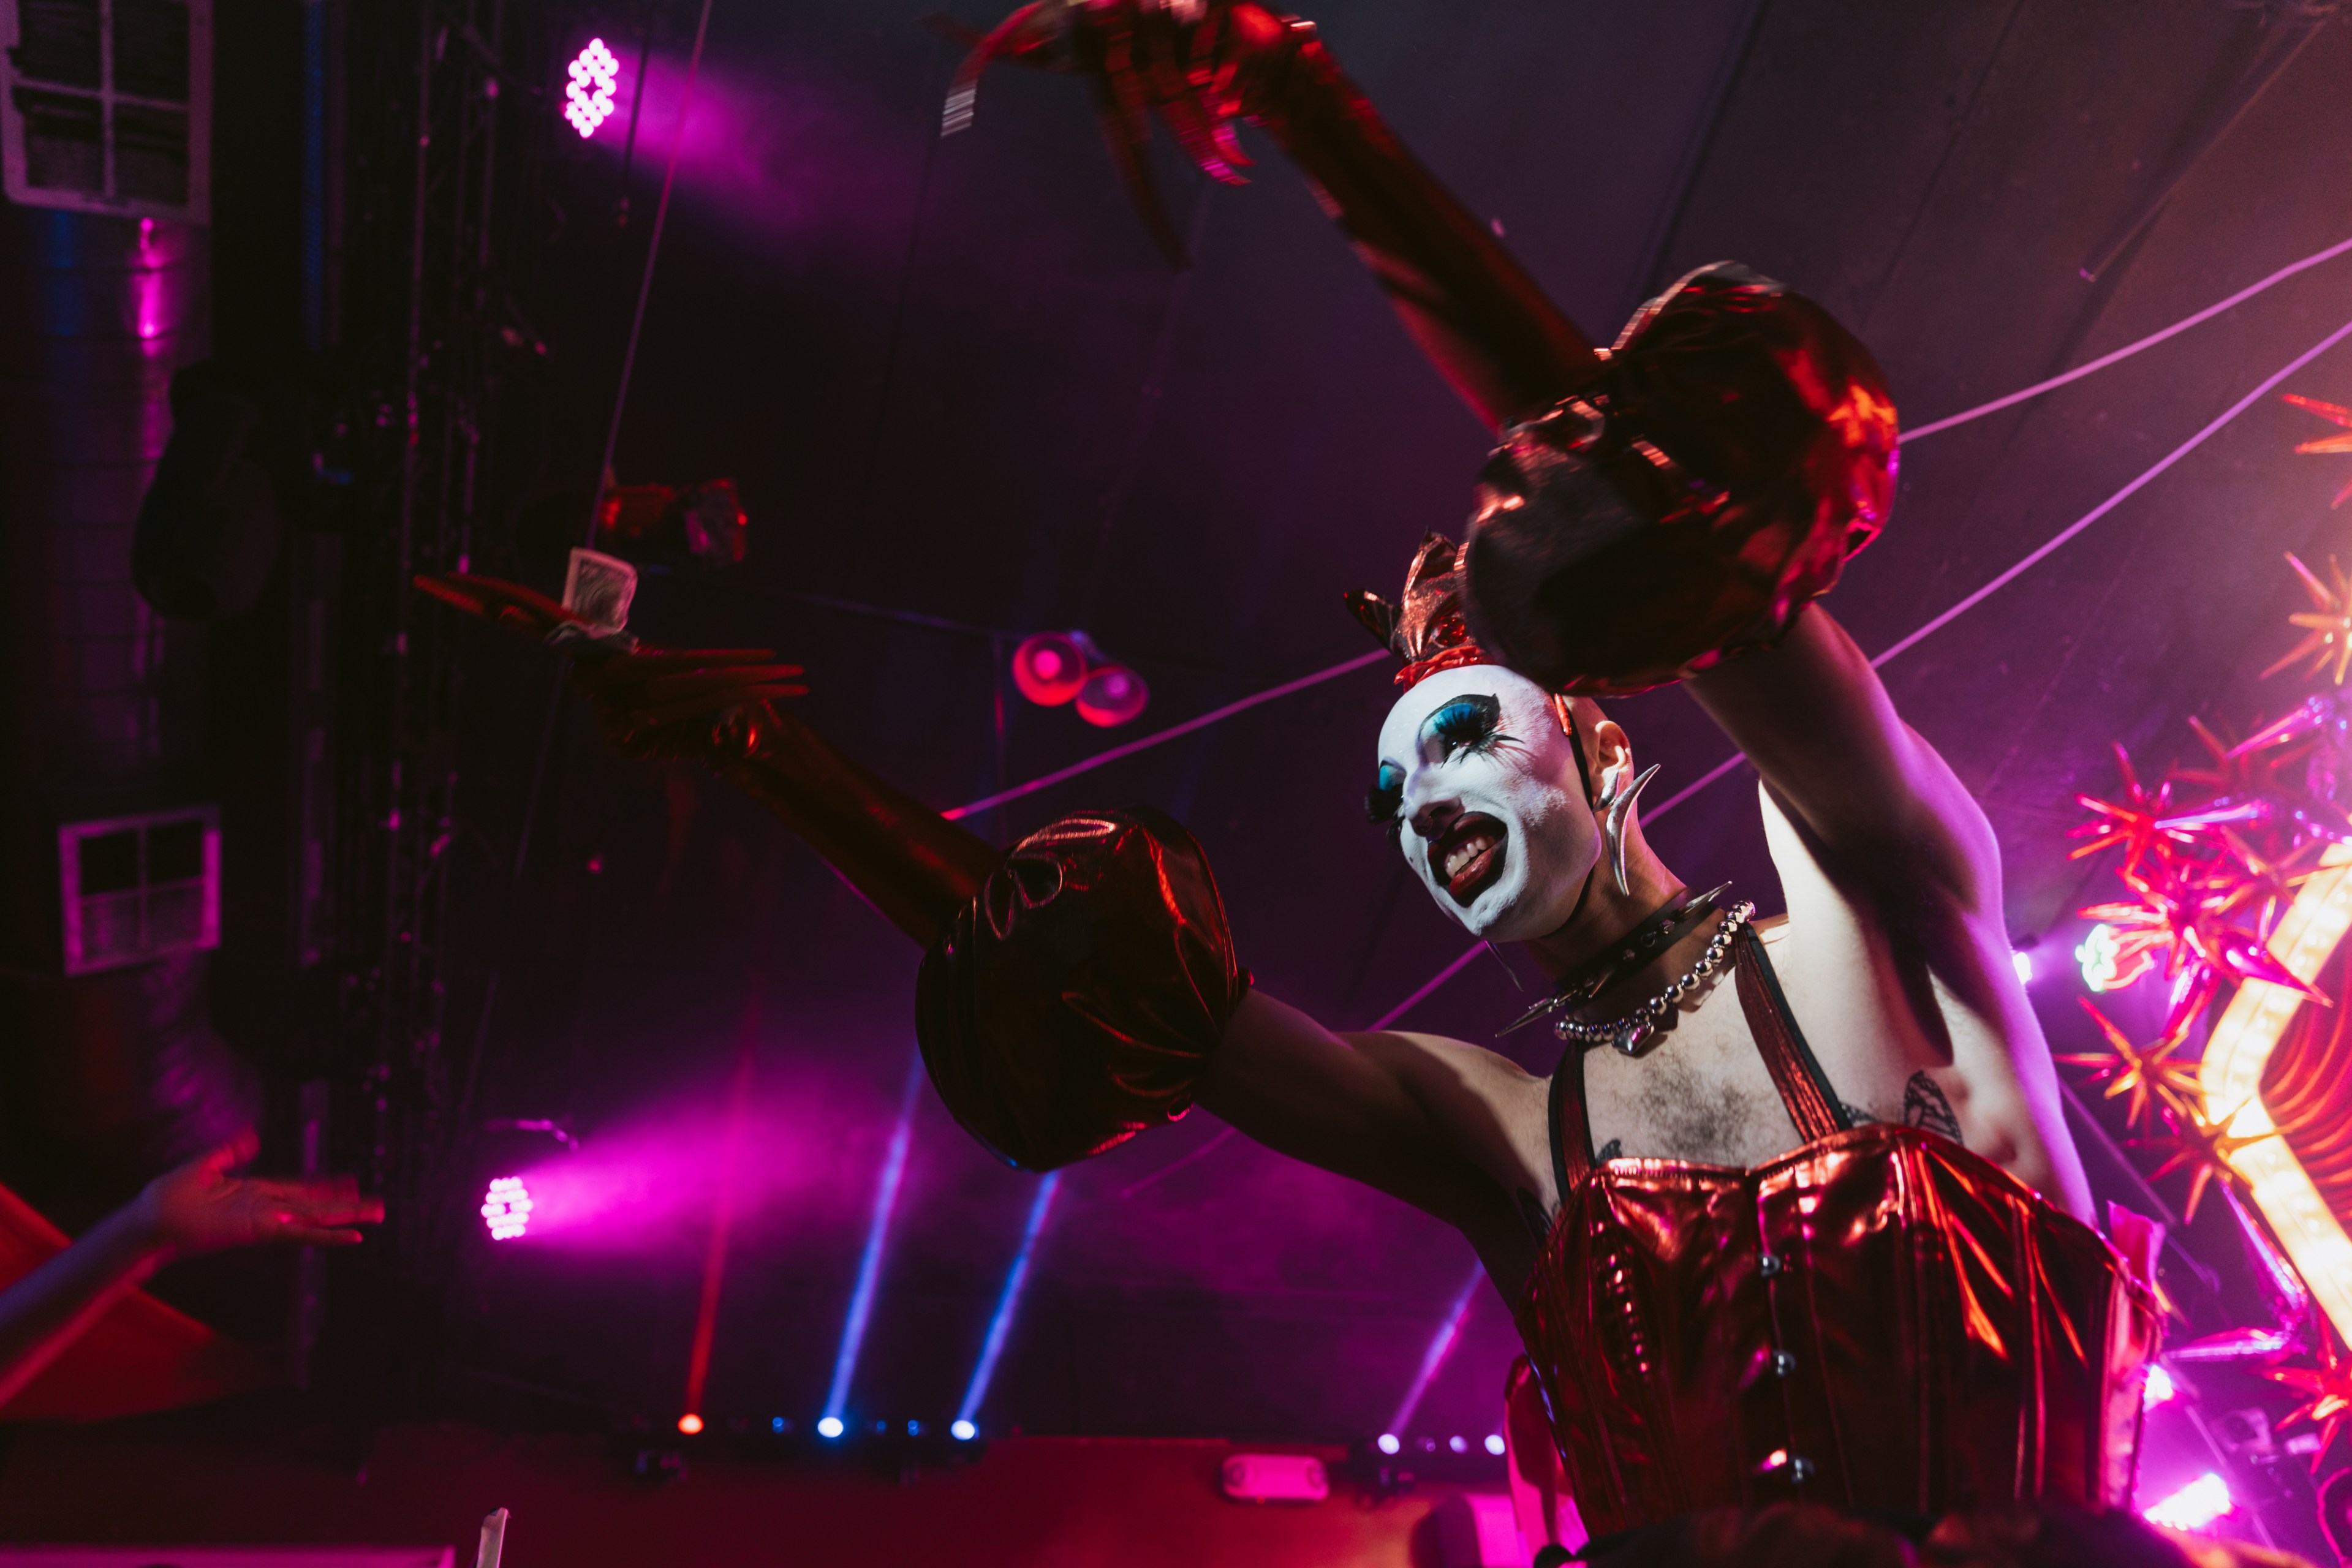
1796 1238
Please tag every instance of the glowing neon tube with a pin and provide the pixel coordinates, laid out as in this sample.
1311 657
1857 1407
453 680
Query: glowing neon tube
2230 1077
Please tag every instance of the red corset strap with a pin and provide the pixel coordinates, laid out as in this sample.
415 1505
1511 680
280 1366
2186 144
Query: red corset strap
1078 997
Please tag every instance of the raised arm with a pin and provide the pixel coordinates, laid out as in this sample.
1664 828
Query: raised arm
1812 716
1874 833
1473 308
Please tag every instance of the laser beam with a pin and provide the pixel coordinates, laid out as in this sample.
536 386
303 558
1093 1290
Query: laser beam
1008 1303
877 1238
1441 1344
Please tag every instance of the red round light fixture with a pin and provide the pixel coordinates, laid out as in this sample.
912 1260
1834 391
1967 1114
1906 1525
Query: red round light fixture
1050 668
1113 694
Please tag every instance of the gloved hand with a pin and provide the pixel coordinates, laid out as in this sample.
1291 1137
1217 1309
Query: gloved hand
718 705
652 703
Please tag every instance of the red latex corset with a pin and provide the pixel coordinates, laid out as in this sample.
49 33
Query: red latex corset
1877 1320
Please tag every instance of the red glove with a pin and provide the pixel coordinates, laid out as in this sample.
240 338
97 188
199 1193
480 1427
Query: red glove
1204 65
1651 509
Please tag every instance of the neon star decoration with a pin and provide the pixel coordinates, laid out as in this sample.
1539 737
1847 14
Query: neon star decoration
2335 413
2144 1076
588 98
2326 1391
2206 1149
2328 626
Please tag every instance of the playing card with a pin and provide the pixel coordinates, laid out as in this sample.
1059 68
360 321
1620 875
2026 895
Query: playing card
598 587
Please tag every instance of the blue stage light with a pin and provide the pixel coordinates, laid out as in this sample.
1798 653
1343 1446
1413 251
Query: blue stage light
869 1264
1008 1303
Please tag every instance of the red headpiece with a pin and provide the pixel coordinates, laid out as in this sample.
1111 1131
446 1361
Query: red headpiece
1427 631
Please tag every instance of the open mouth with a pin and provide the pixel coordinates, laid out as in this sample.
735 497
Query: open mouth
1467 857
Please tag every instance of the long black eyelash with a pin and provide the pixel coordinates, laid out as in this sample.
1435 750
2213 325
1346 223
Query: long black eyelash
1382 806
1471 723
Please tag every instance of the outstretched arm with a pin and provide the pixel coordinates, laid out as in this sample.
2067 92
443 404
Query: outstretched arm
196 1208
1473 308
1395 1110
1081 987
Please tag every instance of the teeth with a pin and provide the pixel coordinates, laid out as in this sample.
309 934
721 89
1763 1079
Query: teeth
1468 850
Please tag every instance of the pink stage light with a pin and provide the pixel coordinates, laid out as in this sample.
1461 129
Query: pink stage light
1112 696
588 101
2160 1388
1050 668
2194 1506
505 1209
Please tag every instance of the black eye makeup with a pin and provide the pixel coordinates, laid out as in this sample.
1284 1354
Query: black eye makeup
1472 722
1467 723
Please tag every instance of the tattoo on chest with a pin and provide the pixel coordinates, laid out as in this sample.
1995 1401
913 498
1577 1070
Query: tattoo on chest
1614 1149
1855 1116
1925 1107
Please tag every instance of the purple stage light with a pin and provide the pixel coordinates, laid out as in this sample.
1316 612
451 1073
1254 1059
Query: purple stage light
2194 1506
2160 1388
588 100
505 1209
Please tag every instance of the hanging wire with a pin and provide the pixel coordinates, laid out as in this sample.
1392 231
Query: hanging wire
653 255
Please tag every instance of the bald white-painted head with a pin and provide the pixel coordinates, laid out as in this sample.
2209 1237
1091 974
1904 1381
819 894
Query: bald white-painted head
1482 781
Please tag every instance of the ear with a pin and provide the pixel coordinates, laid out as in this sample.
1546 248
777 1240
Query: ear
1609 756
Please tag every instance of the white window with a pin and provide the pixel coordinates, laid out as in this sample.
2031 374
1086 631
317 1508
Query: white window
106 106
139 887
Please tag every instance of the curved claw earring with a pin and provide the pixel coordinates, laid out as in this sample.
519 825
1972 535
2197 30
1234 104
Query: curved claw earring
1615 805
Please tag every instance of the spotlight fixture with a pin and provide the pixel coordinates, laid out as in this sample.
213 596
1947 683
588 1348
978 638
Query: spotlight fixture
588 98
963 1431
1112 696
505 1209
2099 956
689 1423
1388 1443
831 1426
1051 668
2194 1506
1494 1444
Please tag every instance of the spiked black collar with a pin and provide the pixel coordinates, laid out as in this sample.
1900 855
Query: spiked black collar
1650 935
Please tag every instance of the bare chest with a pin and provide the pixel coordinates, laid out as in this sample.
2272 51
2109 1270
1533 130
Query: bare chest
1701 1092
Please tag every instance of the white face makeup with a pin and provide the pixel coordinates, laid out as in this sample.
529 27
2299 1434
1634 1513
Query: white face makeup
1494 818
